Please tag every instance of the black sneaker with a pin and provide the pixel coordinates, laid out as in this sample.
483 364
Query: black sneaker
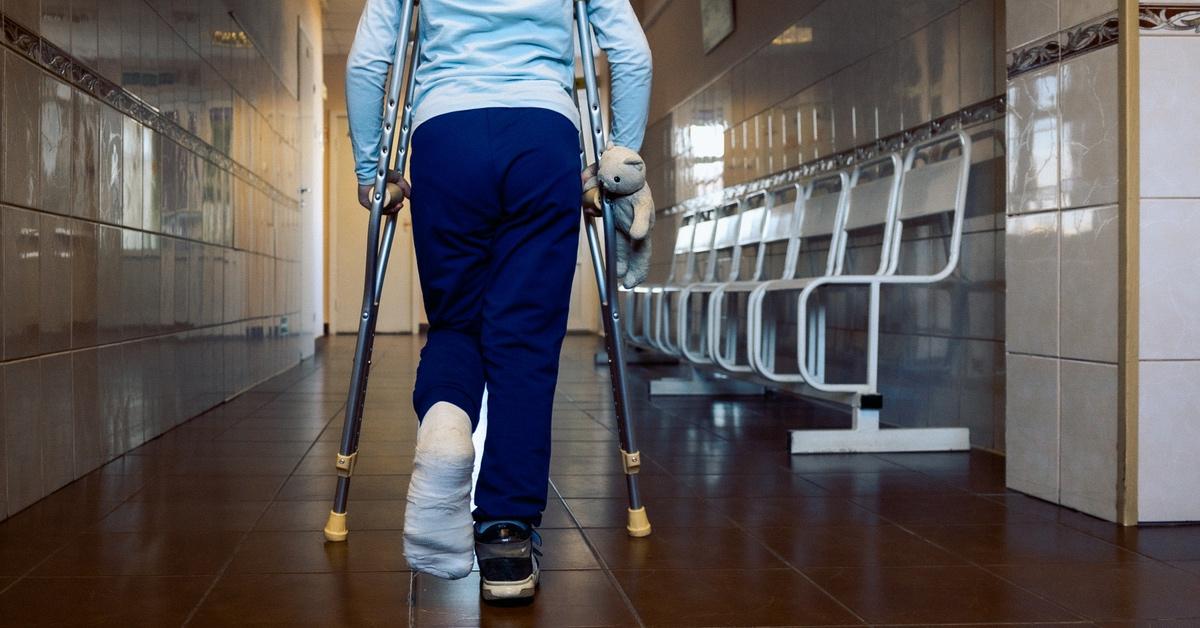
508 553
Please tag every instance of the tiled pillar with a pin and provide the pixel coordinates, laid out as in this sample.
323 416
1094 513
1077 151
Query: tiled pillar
1062 253
1168 264
1103 304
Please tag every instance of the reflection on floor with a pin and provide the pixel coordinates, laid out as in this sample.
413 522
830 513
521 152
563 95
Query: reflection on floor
218 523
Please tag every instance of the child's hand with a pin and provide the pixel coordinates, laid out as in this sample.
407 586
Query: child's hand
591 192
395 192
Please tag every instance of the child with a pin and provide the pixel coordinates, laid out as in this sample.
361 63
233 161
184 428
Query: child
495 209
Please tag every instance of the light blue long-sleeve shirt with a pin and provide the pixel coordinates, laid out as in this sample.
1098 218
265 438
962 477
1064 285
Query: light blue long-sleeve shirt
494 53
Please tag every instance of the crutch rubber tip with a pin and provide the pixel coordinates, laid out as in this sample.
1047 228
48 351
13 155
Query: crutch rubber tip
639 523
335 528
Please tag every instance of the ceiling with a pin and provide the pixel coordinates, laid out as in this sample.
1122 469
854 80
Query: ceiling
341 18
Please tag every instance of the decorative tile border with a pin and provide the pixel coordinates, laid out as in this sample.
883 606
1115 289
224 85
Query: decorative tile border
1169 17
971 115
1063 45
59 62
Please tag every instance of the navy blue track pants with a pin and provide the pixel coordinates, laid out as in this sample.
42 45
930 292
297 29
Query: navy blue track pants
496 215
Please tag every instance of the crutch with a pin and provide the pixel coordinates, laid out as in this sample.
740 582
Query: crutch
605 266
377 257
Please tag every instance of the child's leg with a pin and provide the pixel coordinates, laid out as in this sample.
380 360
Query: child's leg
525 307
452 232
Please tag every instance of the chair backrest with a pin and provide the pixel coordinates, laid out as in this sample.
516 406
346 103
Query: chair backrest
936 174
682 253
874 197
931 187
781 218
873 193
824 216
823 207
703 227
750 230
720 253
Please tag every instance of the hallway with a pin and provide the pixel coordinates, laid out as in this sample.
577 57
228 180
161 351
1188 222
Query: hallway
217 522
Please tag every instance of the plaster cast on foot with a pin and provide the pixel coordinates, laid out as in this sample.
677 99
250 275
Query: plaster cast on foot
438 534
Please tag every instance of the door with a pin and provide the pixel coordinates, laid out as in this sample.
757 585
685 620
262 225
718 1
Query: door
348 235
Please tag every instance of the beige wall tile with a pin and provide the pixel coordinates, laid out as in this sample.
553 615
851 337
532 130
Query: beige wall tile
1088 468
1033 141
1029 20
1076 12
91 449
22 120
21 231
977 59
56 422
56 146
1088 291
22 436
1032 277
1089 129
84 283
1032 426
54 284
85 151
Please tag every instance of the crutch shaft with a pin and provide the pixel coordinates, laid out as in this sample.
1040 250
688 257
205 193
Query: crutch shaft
605 265
378 251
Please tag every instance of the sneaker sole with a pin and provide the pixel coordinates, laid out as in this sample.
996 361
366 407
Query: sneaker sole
515 590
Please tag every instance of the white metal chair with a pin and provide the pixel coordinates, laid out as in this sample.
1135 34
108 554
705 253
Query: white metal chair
933 184
874 192
696 266
734 237
639 301
778 248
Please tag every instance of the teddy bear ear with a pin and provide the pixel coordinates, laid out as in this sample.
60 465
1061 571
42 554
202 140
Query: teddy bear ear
608 144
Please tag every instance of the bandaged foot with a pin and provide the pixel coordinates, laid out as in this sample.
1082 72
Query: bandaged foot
438 531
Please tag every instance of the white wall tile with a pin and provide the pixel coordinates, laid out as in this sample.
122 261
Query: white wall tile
1032 431
1168 439
1028 20
1169 299
1089 277
1031 271
1090 129
1088 465
1032 138
1169 136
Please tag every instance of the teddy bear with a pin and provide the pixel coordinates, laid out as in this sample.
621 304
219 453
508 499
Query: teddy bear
622 172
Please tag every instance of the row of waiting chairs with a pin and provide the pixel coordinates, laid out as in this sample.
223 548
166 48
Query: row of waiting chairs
735 275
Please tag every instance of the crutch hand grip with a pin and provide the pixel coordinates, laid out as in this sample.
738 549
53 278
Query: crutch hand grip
393 198
591 200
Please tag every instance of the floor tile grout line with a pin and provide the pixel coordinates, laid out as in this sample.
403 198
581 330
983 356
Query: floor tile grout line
128 499
985 569
1086 533
792 567
67 541
246 534
612 578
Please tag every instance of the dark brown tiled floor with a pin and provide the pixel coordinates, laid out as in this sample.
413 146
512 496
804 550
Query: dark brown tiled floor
218 523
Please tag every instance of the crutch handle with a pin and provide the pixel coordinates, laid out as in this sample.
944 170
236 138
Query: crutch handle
591 198
390 192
